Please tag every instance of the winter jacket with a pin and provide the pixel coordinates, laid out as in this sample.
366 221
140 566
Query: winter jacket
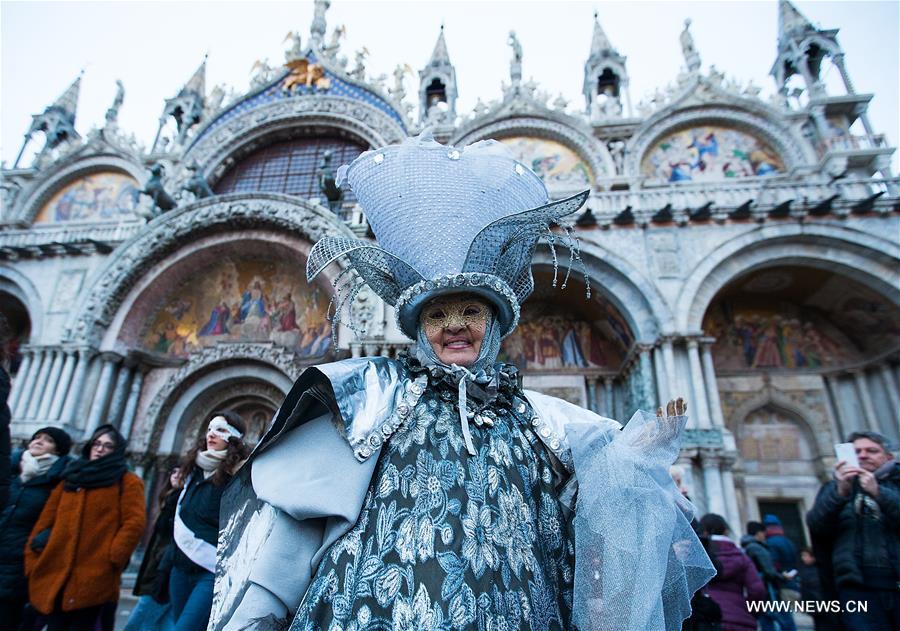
736 583
200 513
858 535
784 552
92 533
5 446
153 577
762 558
26 500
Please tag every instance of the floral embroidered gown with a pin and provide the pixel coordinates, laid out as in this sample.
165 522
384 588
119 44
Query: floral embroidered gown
448 540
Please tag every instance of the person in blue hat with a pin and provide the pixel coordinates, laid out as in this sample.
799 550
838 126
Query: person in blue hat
432 491
784 552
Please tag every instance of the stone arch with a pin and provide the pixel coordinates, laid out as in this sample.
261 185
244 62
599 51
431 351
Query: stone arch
872 261
588 148
755 122
17 284
163 425
35 199
169 233
638 300
813 427
358 119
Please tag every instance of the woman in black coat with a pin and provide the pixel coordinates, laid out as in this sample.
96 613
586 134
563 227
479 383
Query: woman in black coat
36 471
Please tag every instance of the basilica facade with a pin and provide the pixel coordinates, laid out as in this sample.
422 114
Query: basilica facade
740 252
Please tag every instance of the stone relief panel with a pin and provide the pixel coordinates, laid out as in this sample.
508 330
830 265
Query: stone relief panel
709 153
771 442
557 165
68 286
243 300
105 196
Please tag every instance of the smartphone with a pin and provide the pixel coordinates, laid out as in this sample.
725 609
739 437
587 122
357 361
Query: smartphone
847 453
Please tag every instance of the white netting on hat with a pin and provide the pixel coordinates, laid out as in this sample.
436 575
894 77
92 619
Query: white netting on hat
505 247
387 275
426 202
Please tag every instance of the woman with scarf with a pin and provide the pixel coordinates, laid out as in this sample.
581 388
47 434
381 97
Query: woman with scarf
205 470
431 491
36 471
85 535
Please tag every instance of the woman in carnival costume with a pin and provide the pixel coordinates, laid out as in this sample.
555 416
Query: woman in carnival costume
431 491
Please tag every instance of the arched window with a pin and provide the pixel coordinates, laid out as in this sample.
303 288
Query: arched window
288 166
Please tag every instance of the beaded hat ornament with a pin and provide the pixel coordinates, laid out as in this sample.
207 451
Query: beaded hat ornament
447 221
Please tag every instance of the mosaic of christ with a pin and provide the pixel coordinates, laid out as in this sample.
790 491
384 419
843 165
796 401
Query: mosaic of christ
247 300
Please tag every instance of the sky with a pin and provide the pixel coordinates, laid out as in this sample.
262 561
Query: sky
154 47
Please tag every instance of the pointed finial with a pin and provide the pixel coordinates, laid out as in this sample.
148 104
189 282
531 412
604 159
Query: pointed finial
197 82
599 41
68 100
790 20
440 54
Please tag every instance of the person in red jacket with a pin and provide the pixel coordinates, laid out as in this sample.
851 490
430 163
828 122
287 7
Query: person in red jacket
84 537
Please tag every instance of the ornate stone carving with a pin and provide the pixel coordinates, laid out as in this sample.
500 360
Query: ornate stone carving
760 122
175 229
588 148
362 120
201 360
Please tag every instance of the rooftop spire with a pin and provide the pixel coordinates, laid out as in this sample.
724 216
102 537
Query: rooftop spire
68 100
440 54
790 20
197 83
599 42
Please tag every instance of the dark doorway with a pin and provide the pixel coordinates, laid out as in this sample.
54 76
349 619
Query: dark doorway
791 519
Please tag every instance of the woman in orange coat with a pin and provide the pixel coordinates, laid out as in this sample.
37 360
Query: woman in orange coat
85 536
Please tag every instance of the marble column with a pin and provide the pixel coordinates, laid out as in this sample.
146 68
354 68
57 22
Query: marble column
732 512
62 387
659 372
592 393
52 384
890 385
833 408
697 385
669 361
865 397
712 386
645 374
40 385
28 383
19 381
609 410
120 393
134 396
70 407
101 395
712 481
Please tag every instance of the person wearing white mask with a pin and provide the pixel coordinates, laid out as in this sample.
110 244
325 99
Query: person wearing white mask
205 470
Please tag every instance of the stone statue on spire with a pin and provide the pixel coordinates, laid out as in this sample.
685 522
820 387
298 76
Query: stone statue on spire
112 114
319 25
515 66
691 56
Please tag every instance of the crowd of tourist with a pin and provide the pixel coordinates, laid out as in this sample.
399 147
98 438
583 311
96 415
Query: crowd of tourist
847 580
69 526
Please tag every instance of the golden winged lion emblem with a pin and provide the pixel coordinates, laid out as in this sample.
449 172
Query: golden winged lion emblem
306 74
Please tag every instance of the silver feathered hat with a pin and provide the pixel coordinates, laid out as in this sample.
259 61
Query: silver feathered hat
447 220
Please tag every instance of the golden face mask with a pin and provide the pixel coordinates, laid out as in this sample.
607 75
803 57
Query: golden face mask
455 313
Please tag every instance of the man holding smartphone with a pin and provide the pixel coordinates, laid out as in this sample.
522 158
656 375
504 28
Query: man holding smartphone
855 525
